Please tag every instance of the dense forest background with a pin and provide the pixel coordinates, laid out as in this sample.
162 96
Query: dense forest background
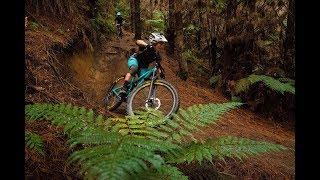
218 42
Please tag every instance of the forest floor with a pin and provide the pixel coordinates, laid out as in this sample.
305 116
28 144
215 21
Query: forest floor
239 122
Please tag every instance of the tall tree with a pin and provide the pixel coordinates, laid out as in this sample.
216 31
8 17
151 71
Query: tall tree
200 6
228 46
132 10
170 29
183 66
289 42
137 20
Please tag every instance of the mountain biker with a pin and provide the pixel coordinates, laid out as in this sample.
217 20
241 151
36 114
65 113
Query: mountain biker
139 61
119 21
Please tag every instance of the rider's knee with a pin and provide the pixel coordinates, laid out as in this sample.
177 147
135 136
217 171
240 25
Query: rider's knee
133 69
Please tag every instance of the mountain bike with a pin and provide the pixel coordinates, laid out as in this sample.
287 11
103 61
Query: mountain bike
150 90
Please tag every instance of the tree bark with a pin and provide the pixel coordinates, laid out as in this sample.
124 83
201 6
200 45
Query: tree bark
213 53
199 32
228 48
132 14
183 66
137 20
170 30
289 42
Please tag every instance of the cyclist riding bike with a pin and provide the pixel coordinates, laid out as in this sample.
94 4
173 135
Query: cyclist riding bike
139 62
147 91
119 22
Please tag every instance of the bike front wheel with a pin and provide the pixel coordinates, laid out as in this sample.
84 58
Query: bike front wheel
164 98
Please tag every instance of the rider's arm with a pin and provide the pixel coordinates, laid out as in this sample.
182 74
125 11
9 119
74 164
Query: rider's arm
158 57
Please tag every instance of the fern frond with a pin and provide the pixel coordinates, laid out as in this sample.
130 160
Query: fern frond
134 146
34 142
115 156
220 148
165 172
287 80
72 118
274 84
230 146
143 124
193 118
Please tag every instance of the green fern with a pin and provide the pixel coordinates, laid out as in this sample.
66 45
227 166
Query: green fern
109 155
195 117
274 84
117 156
177 129
165 172
146 145
287 80
219 148
157 23
34 142
72 118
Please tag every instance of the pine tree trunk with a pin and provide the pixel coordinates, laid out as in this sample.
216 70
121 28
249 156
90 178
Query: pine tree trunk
137 20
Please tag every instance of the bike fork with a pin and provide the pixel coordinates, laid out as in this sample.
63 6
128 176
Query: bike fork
152 93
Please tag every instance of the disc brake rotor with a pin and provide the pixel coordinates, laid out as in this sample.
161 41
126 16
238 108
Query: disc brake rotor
155 103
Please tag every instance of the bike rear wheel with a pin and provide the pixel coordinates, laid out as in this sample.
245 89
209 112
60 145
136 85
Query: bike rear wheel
165 98
112 101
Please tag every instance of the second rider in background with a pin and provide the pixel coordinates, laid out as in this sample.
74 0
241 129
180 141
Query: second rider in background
119 22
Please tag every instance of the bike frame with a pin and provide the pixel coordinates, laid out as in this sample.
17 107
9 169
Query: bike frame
151 72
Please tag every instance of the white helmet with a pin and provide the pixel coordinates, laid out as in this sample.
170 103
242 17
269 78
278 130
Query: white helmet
157 37
118 13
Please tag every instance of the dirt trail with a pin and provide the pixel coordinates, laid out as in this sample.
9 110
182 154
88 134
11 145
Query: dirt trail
240 122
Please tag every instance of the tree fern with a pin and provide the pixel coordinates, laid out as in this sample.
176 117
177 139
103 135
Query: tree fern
219 148
34 142
72 118
123 157
146 145
193 118
107 155
164 172
274 84
141 125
